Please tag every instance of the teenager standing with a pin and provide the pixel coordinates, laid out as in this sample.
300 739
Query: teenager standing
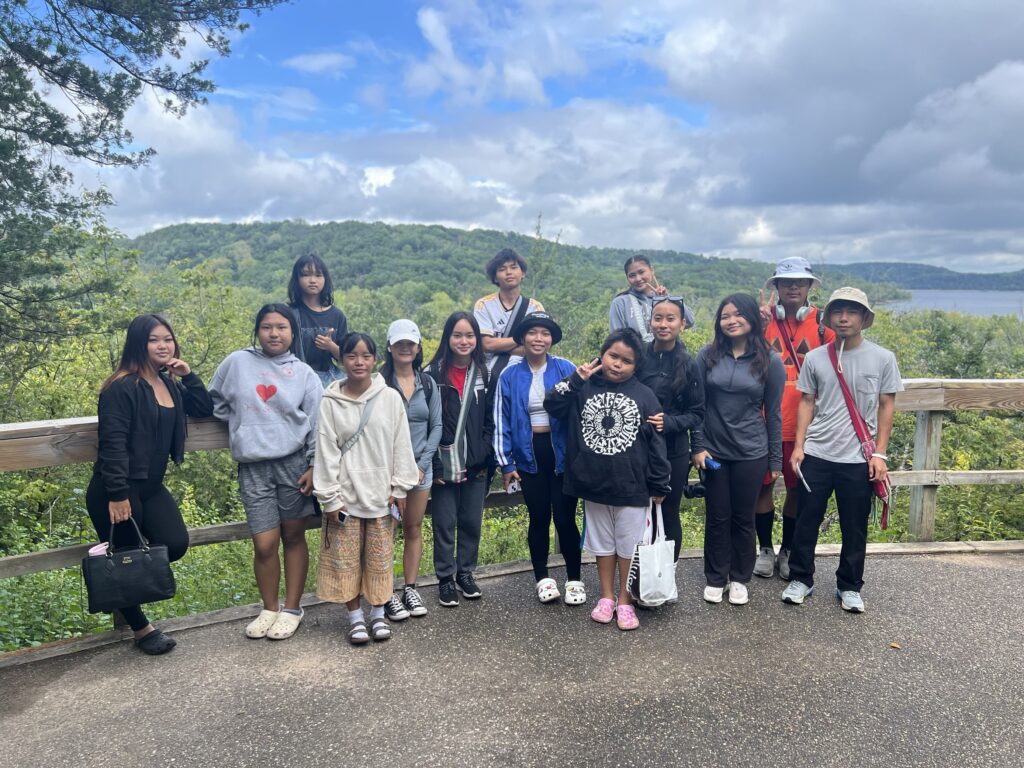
530 448
463 458
632 308
829 453
322 325
792 328
365 466
142 409
668 370
270 400
743 383
499 313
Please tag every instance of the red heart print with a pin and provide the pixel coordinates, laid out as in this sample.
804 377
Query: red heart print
266 392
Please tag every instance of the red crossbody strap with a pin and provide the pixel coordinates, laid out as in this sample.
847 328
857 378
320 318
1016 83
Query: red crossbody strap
859 425
784 332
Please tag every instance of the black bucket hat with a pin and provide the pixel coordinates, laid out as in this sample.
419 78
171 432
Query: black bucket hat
535 319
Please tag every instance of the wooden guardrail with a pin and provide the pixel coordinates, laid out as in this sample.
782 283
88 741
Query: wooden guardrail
32 445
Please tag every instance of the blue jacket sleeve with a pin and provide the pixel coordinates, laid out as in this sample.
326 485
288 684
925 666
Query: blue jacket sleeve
502 422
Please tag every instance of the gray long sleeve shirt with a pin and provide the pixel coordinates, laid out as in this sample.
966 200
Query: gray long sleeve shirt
735 429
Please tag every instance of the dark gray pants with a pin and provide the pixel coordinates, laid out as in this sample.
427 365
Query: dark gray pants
457 509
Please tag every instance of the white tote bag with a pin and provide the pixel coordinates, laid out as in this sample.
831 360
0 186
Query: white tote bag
657 570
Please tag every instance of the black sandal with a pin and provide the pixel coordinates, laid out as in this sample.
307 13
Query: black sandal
380 630
155 643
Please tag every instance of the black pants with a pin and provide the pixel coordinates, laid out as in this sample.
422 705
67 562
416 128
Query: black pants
457 508
542 492
156 512
670 506
853 500
732 492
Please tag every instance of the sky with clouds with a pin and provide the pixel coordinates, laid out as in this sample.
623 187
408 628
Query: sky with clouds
757 128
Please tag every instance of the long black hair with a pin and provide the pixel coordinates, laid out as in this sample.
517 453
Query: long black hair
442 359
388 369
135 353
287 313
721 346
320 268
680 356
634 259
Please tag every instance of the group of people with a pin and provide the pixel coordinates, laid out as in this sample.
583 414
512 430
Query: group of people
317 430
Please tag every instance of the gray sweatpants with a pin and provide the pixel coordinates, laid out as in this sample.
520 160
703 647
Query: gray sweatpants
457 508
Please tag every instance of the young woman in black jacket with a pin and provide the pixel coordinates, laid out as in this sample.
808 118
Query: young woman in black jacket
668 370
462 465
142 409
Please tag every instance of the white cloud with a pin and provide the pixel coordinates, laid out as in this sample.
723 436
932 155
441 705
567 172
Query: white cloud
329 64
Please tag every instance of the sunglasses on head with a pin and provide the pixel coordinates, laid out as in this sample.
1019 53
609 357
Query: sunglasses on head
674 299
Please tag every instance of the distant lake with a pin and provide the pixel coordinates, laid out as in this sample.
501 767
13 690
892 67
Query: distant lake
967 302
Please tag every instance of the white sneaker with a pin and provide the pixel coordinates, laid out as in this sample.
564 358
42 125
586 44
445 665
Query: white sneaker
713 594
851 601
738 593
261 624
796 592
764 566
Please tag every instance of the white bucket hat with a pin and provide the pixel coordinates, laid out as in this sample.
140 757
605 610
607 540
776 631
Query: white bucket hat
855 295
403 330
793 268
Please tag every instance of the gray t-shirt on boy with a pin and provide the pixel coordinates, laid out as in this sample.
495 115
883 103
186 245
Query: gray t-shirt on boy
869 370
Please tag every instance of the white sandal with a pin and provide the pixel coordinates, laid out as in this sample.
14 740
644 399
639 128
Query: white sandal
575 593
261 624
547 590
285 625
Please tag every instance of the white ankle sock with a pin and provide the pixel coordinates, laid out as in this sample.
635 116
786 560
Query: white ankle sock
376 612
356 615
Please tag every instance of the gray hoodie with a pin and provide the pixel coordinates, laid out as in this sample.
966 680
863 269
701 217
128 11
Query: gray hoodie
269 403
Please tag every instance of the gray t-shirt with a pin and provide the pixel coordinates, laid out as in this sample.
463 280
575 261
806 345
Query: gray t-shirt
869 370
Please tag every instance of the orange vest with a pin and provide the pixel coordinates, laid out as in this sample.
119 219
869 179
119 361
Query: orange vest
805 338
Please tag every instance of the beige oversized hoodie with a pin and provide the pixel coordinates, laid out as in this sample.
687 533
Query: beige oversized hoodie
379 465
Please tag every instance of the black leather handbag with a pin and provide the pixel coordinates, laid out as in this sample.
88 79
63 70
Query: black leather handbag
128 576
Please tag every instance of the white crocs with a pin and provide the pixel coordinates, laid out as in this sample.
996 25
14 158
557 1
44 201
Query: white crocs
547 590
261 624
285 625
575 593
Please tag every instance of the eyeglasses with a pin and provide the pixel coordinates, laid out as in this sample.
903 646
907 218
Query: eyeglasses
659 299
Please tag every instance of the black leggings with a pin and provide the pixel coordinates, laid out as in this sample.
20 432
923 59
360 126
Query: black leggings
670 506
542 492
156 512
729 529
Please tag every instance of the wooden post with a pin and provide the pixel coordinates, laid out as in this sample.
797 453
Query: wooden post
927 442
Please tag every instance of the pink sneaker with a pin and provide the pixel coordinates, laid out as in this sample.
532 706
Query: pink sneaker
603 611
626 617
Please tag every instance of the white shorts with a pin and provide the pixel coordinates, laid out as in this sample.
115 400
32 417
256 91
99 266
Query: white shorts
613 530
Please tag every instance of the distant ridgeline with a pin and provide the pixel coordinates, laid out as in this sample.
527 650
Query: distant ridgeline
927 277
427 259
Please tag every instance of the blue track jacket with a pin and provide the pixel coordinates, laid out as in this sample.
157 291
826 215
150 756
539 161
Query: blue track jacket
513 436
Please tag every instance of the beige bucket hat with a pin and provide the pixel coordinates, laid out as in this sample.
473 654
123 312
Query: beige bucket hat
857 296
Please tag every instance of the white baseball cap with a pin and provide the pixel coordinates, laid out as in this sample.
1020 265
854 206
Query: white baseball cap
403 330
793 268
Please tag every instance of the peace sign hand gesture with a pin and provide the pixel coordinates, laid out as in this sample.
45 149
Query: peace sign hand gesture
767 306
587 370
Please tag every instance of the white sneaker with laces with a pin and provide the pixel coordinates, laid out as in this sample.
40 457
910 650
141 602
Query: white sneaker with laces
795 593
850 601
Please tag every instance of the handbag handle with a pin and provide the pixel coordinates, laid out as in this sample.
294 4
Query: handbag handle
143 541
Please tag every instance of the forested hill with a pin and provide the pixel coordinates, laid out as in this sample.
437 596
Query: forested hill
924 276
424 260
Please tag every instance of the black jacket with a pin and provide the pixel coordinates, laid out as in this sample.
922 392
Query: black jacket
614 456
684 412
479 421
128 423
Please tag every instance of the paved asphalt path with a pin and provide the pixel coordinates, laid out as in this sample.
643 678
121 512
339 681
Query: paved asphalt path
507 681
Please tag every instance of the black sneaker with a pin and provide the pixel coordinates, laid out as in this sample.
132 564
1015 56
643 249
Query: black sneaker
466 584
446 594
413 602
394 609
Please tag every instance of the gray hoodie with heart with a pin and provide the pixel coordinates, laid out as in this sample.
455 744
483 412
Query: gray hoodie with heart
270 404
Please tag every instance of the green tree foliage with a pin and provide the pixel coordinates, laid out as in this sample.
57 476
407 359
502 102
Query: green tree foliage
69 71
